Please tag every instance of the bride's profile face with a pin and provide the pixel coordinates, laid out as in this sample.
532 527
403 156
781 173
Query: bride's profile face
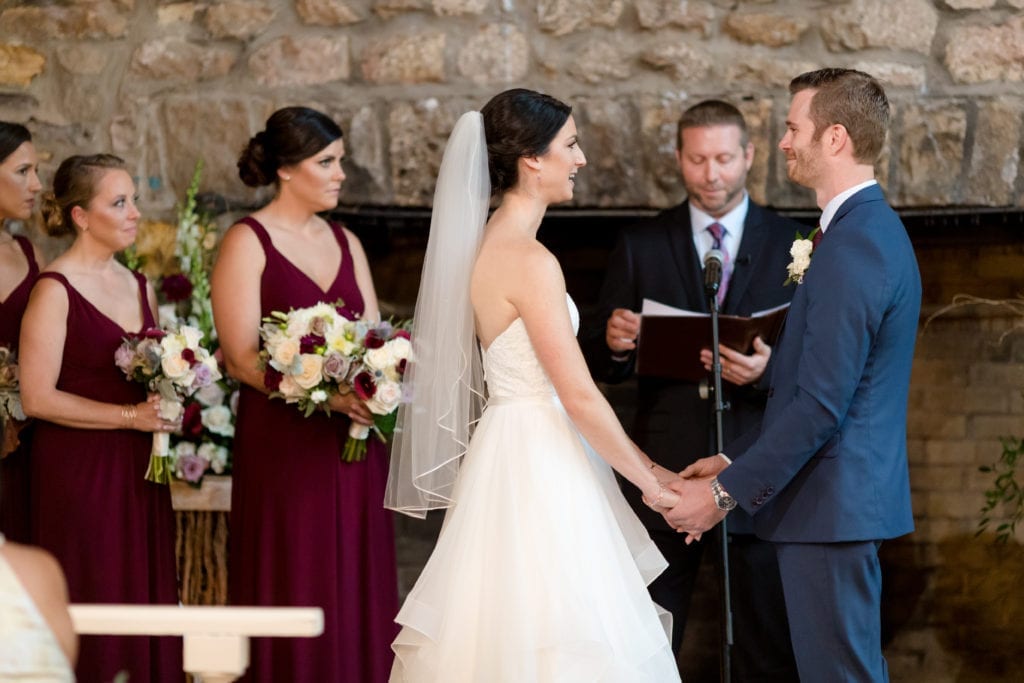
561 162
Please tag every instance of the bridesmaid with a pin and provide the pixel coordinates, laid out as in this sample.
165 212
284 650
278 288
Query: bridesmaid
20 262
112 531
306 528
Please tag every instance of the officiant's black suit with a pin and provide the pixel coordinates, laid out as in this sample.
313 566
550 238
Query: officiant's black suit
657 259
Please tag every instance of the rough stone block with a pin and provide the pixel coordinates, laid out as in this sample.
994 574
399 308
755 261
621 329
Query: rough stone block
758 115
328 12
306 60
565 16
969 4
601 60
977 54
610 141
417 58
176 13
773 30
446 8
654 14
863 24
83 59
96 20
995 159
767 72
241 20
419 132
931 153
175 59
19 64
658 117
894 74
685 63
498 53
388 9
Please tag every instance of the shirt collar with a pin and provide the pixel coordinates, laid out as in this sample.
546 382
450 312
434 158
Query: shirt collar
732 221
829 212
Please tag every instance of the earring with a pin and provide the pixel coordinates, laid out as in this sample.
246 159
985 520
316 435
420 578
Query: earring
287 178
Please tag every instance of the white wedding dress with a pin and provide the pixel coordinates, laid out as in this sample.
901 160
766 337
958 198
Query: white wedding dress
540 571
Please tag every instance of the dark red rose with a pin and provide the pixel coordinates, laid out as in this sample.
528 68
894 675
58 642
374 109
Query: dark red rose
401 367
154 333
189 356
272 379
192 421
364 386
309 342
404 334
176 288
372 340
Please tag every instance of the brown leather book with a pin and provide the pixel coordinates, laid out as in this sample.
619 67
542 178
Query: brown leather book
671 339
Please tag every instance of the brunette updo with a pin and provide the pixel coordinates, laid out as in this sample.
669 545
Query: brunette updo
74 184
519 123
12 136
291 135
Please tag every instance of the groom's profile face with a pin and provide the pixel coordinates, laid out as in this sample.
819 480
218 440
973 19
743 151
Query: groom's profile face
802 149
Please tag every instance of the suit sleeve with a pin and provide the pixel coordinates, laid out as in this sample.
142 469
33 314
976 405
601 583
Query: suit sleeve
617 291
846 302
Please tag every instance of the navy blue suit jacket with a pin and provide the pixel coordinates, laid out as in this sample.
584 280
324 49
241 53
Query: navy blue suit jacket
830 461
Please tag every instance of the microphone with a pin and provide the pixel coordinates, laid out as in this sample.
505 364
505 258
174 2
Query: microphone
713 271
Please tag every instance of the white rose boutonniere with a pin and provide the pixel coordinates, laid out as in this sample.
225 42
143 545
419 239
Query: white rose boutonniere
801 251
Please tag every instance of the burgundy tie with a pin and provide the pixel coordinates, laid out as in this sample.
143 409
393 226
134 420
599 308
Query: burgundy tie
717 231
816 240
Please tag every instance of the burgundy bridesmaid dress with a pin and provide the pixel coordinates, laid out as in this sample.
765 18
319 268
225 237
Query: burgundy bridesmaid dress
306 528
14 469
111 530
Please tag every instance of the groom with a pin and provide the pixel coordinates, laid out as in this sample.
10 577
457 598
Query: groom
826 478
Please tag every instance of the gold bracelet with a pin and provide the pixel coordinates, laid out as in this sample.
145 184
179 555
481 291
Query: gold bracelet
129 411
657 501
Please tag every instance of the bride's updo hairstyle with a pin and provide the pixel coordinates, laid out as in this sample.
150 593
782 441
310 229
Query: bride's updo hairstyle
519 123
12 136
74 184
291 135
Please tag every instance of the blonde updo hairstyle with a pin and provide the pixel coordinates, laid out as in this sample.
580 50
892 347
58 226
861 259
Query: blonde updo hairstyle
74 184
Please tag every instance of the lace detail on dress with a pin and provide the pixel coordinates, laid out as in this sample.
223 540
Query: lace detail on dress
511 367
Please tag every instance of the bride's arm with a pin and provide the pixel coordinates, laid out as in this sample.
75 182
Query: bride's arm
540 299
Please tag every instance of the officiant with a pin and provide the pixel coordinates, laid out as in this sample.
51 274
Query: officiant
661 259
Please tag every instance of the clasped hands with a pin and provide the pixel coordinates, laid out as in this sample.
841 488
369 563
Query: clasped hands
691 507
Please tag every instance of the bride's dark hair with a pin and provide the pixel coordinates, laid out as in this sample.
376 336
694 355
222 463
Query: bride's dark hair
519 123
291 135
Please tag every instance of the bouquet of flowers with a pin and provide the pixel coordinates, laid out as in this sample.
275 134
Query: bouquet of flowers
173 364
311 353
11 414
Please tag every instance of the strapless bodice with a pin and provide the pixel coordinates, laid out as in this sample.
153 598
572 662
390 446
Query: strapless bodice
511 367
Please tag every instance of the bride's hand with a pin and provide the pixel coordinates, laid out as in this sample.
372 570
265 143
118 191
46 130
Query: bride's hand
665 499
349 404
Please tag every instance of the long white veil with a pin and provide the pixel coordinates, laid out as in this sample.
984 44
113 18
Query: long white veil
445 377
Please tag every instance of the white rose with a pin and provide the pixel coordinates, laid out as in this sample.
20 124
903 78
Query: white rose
801 249
171 409
311 373
318 396
218 420
168 315
387 398
291 391
379 359
191 336
401 348
284 352
183 448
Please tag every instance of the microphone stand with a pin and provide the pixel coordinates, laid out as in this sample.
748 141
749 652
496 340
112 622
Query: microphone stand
725 663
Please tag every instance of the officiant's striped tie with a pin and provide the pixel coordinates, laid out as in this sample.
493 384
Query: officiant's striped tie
718 232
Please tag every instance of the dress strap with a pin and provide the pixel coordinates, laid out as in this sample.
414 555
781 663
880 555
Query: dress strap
30 254
261 233
342 239
52 275
147 312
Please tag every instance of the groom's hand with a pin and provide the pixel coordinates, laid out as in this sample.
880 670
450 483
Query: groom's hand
704 468
696 511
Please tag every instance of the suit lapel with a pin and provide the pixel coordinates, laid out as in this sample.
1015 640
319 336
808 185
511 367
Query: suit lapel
680 239
746 260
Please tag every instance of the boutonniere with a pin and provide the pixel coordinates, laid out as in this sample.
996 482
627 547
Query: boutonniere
801 251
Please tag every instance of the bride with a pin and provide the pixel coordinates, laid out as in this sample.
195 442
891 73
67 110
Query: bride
541 568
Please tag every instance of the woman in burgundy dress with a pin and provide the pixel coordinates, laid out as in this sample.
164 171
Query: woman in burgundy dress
306 528
20 262
111 530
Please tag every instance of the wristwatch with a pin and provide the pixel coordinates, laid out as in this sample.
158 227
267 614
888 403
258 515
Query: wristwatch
722 499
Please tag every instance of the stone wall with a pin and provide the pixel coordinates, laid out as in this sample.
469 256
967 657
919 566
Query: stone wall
164 82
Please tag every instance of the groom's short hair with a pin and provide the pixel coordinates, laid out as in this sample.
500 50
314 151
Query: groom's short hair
711 113
852 99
